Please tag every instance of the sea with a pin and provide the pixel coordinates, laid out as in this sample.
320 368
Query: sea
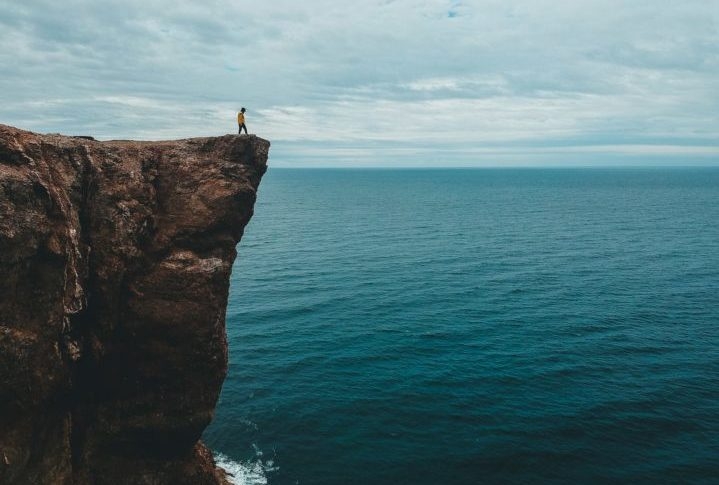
470 326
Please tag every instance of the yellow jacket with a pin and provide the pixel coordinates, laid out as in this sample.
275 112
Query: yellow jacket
240 118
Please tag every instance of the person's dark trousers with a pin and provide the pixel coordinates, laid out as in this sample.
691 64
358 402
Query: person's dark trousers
242 126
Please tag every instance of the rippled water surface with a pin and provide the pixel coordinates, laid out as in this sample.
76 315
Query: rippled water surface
476 326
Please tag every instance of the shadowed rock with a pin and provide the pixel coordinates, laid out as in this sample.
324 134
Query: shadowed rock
115 260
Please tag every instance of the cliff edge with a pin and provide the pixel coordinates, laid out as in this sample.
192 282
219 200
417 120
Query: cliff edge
115 260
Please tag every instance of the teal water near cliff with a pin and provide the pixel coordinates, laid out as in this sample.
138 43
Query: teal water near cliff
475 326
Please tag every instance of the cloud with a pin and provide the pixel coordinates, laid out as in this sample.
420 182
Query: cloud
427 75
434 84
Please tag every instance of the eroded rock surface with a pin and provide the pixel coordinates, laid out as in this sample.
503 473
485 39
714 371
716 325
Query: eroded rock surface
115 260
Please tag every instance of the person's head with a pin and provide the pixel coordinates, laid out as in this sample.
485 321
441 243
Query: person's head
243 110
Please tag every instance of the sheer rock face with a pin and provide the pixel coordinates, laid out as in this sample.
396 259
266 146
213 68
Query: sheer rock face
115 260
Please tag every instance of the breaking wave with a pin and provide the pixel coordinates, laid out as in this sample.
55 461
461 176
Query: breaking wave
250 472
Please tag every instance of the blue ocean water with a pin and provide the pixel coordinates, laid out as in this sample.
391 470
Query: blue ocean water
476 326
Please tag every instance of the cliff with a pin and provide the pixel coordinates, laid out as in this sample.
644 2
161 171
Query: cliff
115 260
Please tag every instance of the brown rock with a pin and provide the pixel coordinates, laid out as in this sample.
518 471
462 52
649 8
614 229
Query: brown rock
115 260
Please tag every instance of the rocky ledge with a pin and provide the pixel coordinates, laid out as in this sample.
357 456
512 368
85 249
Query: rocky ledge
115 260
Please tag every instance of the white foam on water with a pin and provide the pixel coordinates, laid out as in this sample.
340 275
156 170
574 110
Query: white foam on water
245 473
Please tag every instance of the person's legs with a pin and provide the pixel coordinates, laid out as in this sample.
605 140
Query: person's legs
243 126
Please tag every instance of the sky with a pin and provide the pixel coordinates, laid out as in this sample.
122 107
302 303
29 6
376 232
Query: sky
377 82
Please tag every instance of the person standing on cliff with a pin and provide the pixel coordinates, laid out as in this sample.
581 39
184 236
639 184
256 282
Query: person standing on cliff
241 121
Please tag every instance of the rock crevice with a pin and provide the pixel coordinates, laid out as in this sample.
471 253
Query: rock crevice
115 260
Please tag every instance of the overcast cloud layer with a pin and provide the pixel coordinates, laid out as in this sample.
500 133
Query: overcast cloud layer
377 82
